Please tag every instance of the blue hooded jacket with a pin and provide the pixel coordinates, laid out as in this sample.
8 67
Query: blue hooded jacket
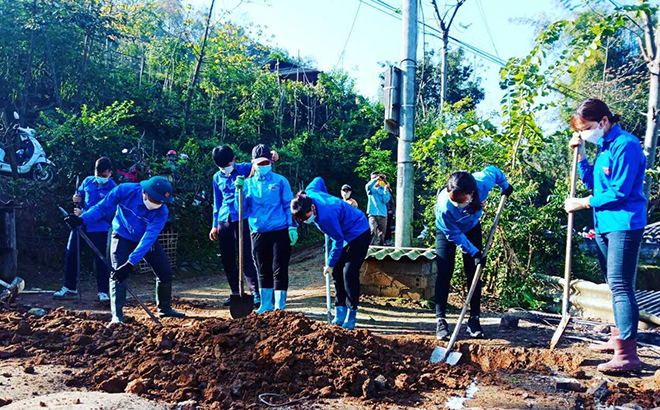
378 198
225 207
268 202
617 182
92 193
340 221
132 220
454 222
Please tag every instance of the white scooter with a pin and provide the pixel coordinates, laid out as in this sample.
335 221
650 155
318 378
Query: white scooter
30 157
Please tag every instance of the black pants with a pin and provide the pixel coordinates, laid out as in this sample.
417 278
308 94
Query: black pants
346 273
121 249
271 252
71 268
228 238
446 258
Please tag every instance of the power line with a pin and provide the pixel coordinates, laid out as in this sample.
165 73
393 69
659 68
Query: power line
480 6
343 51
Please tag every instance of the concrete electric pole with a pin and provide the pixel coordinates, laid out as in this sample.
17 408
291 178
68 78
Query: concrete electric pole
405 178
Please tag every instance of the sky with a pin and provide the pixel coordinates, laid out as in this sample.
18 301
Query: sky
320 31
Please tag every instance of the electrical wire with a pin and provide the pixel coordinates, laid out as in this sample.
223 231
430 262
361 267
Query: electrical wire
480 6
343 51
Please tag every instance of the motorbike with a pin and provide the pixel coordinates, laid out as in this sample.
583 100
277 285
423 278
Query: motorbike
31 157
139 171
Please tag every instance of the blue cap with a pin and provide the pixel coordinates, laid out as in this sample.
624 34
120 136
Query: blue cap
262 151
158 188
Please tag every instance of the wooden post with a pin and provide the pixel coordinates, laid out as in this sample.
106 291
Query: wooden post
8 249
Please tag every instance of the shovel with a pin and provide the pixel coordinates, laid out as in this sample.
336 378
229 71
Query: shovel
441 354
242 304
102 257
565 316
328 303
77 206
15 287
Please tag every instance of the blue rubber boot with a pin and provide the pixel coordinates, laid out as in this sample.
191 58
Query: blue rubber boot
340 315
117 301
280 299
256 300
266 301
349 323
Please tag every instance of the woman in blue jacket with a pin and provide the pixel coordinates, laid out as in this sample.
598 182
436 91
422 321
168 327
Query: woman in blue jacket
90 192
267 200
348 236
139 215
619 206
457 213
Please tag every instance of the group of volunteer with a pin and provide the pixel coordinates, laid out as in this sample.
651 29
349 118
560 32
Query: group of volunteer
273 213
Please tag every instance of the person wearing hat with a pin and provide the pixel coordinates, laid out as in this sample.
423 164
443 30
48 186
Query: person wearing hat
267 203
346 192
347 239
378 194
224 227
140 214
90 192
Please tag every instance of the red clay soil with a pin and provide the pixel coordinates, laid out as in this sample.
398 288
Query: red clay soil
223 364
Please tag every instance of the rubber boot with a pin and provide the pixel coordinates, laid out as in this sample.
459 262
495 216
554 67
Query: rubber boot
266 301
256 300
117 301
280 299
349 323
625 358
164 301
607 347
340 315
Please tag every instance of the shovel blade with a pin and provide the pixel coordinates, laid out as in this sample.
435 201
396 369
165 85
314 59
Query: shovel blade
556 337
240 306
18 283
440 354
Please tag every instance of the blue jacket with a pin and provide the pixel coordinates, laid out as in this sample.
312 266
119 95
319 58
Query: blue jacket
378 198
340 221
92 193
225 207
617 182
454 222
268 203
133 221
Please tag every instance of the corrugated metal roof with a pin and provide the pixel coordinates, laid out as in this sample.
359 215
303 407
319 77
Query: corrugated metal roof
383 252
648 301
652 233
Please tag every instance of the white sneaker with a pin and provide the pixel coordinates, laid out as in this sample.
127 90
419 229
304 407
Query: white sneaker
64 293
103 297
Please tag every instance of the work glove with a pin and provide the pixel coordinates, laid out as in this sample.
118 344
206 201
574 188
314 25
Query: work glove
240 181
479 258
293 235
508 191
576 204
74 221
327 270
577 142
121 273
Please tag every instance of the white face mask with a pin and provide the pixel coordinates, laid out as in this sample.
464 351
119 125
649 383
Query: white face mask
345 194
102 181
150 205
310 219
228 169
592 136
461 205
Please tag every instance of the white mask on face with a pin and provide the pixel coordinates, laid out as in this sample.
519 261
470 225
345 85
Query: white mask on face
228 169
150 205
101 180
593 136
461 205
311 219
345 194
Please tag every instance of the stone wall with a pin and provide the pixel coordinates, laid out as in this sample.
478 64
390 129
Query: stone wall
403 278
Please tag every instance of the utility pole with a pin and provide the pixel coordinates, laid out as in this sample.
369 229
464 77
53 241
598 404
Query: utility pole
405 181
444 23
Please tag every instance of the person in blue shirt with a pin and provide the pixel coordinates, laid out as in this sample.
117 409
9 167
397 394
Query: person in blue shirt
616 180
458 211
267 204
90 192
347 240
139 216
225 221
378 195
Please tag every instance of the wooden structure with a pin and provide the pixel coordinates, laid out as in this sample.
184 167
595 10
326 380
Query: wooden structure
8 248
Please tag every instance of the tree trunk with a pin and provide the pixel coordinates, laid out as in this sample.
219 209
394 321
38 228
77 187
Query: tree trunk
191 88
53 69
651 135
87 47
444 50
